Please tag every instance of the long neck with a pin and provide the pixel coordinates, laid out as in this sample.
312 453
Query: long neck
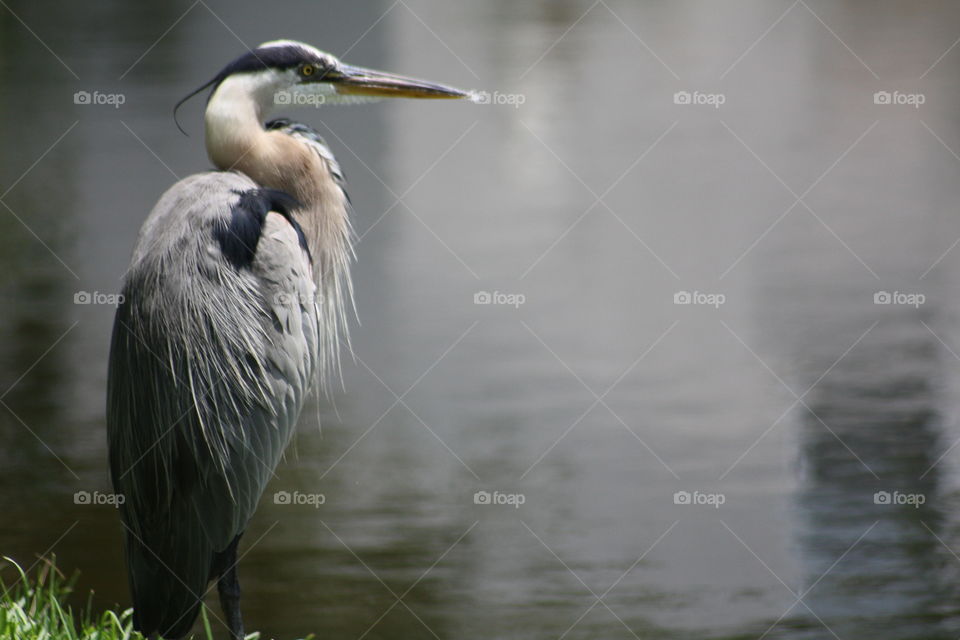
237 141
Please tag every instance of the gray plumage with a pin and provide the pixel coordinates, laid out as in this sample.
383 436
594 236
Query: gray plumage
235 302
211 365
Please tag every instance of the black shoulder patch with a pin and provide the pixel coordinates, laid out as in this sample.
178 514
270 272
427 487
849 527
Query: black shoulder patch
239 235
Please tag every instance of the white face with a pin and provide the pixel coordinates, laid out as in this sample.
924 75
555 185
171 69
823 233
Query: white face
301 76
274 88
305 93
318 94
292 90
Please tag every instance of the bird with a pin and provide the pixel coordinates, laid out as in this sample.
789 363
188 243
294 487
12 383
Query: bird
233 309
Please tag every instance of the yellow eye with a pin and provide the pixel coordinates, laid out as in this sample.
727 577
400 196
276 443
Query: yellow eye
307 70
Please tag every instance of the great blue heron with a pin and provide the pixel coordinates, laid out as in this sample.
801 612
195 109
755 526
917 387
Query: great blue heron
235 301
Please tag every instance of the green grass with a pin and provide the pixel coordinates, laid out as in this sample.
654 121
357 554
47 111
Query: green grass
34 607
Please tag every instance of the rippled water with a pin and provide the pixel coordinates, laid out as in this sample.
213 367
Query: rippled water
598 399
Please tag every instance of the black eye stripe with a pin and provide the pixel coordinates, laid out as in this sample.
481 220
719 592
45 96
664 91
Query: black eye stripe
284 57
281 57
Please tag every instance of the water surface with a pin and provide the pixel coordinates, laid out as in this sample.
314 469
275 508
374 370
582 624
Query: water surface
598 399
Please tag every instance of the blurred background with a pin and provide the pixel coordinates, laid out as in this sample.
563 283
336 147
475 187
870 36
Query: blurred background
660 341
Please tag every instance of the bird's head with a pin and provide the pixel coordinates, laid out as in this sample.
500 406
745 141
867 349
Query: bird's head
286 72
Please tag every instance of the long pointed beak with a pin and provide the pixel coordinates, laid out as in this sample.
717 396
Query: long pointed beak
367 82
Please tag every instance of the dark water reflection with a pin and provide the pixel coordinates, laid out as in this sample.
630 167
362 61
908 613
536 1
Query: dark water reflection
873 432
692 399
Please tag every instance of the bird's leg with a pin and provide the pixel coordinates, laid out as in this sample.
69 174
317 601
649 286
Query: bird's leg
228 584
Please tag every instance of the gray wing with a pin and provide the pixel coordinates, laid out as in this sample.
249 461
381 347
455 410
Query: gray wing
214 348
